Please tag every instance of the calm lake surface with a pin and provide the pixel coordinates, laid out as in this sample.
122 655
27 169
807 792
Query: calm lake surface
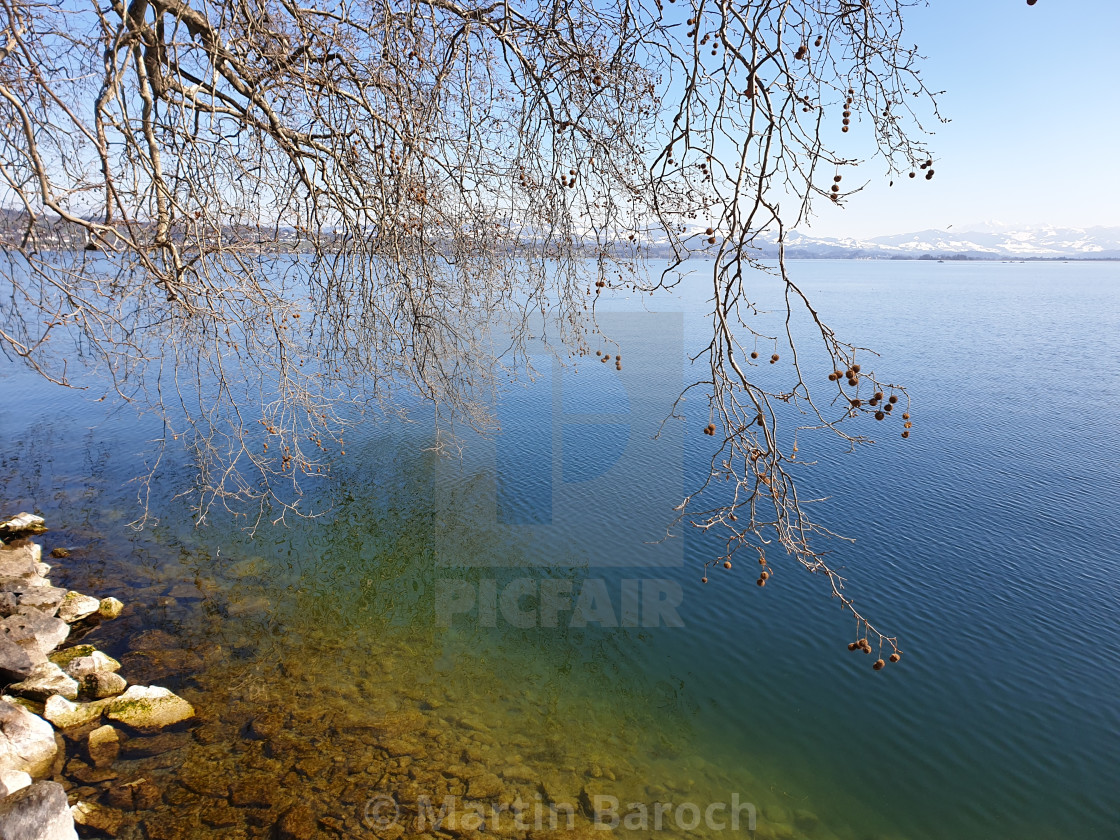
409 644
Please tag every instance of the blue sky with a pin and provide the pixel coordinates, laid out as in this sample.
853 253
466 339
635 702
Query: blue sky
1033 93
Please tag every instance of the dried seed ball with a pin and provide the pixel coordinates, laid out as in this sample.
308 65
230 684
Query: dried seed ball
571 172
607 357
774 358
817 42
878 395
855 368
754 354
710 231
889 407
907 424
863 643
762 561
879 665
906 416
843 128
847 113
929 175
879 415
1031 2
832 377
836 188
703 580
851 92
856 403
894 657
852 646
872 401
893 398
837 178
906 434
727 564
913 174
598 352
711 240
761 582
765 576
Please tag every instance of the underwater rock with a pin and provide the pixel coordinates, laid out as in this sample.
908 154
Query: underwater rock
155 745
26 741
97 817
45 680
38 812
136 795
76 606
47 632
485 786
297 823
109 608
103 746
148 708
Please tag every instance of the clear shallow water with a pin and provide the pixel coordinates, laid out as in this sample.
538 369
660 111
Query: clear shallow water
989 542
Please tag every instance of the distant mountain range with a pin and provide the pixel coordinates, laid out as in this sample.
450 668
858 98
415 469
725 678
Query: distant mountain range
988 241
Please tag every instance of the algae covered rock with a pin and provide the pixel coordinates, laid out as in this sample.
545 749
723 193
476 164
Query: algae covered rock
147 708
76 606
66 714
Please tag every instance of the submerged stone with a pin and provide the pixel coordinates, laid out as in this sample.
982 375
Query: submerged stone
97 817
103 746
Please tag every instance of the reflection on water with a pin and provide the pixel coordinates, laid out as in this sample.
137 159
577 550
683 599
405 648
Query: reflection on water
444 633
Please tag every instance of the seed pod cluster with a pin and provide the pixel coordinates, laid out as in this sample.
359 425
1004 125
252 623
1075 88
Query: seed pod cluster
710 429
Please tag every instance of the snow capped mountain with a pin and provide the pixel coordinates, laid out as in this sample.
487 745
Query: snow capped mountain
980 241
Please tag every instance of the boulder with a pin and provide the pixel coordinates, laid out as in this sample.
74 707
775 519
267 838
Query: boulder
102 684
92 663
109 608
148 708
44 598
43 681
76 606
47 632
26 741
20 523
15 662
98 818
38 812
103 746
65 714
18 563
13 780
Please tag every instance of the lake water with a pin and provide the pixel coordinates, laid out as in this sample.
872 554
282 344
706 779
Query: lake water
423 637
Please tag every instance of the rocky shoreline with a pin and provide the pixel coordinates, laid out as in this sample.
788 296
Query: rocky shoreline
65 706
